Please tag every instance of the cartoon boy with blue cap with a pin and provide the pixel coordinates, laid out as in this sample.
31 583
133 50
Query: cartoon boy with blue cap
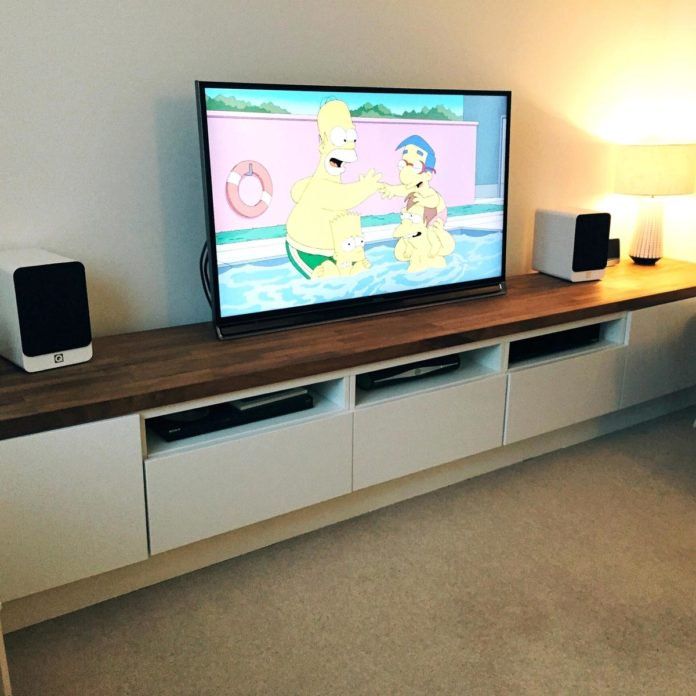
416 169
423 239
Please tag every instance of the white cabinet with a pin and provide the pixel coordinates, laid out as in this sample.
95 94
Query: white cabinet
563 392
564 376
405 435
661 351
197 493
71 505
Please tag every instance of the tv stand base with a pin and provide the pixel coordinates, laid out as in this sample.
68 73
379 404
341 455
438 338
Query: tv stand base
83 593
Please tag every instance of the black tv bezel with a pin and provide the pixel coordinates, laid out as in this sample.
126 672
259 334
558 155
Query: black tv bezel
289 317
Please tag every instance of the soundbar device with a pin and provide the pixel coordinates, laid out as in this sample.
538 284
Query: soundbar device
408 373
256 408
197 421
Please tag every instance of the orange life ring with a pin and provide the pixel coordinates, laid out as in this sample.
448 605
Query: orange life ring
249 168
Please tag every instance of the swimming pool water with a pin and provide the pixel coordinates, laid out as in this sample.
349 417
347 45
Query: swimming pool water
275 284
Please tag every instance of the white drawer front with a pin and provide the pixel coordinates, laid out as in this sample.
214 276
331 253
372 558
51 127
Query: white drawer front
71 505
417 432
661 351
551 396
197 494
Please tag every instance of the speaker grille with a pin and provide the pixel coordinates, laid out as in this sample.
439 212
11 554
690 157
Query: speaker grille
52 308
591 241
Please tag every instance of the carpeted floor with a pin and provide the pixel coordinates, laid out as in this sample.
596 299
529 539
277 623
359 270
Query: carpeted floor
572 573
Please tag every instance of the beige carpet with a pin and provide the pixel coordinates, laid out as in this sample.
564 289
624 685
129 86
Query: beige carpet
572 573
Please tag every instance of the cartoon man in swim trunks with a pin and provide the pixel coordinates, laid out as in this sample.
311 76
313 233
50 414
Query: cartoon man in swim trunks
321 197
424 212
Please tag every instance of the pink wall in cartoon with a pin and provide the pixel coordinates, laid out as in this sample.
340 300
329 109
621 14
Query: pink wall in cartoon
287 146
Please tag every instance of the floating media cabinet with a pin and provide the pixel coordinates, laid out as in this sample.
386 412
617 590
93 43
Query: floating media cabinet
94 503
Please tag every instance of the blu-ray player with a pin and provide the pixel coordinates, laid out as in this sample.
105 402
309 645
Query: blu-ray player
185 424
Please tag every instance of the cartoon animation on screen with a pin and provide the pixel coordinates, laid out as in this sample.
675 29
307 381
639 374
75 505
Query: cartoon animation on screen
321 199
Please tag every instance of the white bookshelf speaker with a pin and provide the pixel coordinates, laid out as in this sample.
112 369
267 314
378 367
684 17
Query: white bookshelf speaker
44 315
571 244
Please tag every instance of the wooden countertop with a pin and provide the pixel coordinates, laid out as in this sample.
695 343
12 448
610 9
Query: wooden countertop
137 371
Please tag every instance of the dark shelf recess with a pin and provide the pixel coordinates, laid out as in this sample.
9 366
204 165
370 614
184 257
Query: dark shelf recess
551 343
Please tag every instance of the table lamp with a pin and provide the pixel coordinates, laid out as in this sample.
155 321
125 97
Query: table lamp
649 171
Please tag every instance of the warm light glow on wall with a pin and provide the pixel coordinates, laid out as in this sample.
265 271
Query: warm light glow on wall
643 90
643 119
644 93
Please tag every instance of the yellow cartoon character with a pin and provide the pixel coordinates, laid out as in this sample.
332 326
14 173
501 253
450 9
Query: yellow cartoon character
423 246
320 197
349 248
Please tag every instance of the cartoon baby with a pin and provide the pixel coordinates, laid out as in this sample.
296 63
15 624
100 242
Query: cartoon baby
416 170
349 248
423 239
423 246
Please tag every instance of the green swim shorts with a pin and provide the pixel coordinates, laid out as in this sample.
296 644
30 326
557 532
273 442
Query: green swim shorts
304 262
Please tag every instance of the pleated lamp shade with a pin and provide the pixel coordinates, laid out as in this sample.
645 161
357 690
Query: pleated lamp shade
656 170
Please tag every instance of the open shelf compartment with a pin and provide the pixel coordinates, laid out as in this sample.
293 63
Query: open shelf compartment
329 397
570 341
474 364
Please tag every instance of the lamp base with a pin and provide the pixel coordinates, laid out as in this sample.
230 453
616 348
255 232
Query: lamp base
645 262
646 249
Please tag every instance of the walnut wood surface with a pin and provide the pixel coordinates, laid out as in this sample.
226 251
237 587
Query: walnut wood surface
137 371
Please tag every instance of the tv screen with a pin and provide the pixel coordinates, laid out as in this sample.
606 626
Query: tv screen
329 202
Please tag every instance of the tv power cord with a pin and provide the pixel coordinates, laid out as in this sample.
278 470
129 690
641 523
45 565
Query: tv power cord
204 268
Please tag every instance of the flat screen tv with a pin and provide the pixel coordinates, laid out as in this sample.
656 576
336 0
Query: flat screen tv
324 203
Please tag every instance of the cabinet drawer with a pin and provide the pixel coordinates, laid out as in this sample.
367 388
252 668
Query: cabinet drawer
199 493
71 505
661 351
400 437
551 396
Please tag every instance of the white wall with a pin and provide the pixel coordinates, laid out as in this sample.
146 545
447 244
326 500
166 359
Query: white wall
99 143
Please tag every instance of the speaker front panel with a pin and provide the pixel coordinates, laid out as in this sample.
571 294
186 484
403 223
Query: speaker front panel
591 241
52 308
